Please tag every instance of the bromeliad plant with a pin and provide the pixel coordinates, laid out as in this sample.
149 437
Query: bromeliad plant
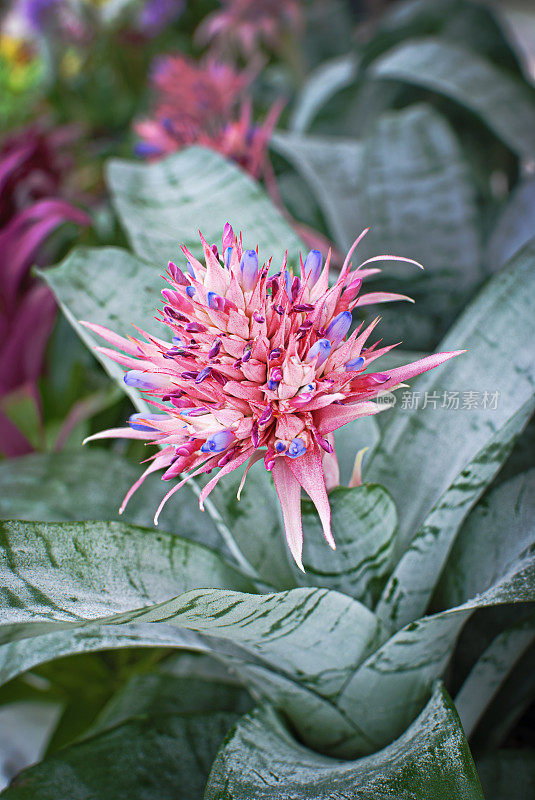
343 661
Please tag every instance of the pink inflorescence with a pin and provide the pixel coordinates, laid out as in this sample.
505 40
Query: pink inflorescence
204 103
259 366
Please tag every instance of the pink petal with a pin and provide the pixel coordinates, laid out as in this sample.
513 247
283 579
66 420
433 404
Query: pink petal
289 492
333 417
308 471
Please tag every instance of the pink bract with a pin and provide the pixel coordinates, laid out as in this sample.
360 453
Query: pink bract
259 366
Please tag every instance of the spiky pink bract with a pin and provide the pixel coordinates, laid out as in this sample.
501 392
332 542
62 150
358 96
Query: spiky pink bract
259 366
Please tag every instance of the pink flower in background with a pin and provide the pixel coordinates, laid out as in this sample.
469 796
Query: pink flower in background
32 168
245 25
204 104
256 367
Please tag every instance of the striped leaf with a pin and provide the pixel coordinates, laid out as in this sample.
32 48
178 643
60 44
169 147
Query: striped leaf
426 452
322 84
392 685
413 581
363 526
155 744
165 203
499 529
503 102
431 759
76 587
491 671
72 485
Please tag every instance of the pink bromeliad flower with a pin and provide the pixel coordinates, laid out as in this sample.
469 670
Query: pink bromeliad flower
204 103
257 366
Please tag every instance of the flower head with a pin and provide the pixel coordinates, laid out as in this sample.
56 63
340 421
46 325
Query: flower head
204 103
256 366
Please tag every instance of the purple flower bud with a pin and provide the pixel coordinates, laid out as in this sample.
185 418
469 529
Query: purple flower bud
312 267
296 288
304 307
215 251
203 374
272 385
258 317
266 415
275 353
177 274
147 381
215 301
191 270
190 291
276 374
195 327
354 364
288 282
228 256
138 426
254 435
297 448
217 442
146 150
214 350
280 447
319 351
249 269
338 328
247 351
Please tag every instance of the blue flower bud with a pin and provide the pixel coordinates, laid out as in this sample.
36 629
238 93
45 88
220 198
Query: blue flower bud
228 256
297 448
249 269
280 447
138 426
321 350
146 380
312 267
191 270
354 364
287 282
217 442
178 340
338 328
190 291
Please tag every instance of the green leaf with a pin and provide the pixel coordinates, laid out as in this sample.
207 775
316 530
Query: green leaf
514 227
153 758
80 571
332 169
256 524
407 180
476 26
392 685
79 587
363 526
508 774
425 452
491 671
497 532
413 581
431 759
502 101
322 84
57 487
165 203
